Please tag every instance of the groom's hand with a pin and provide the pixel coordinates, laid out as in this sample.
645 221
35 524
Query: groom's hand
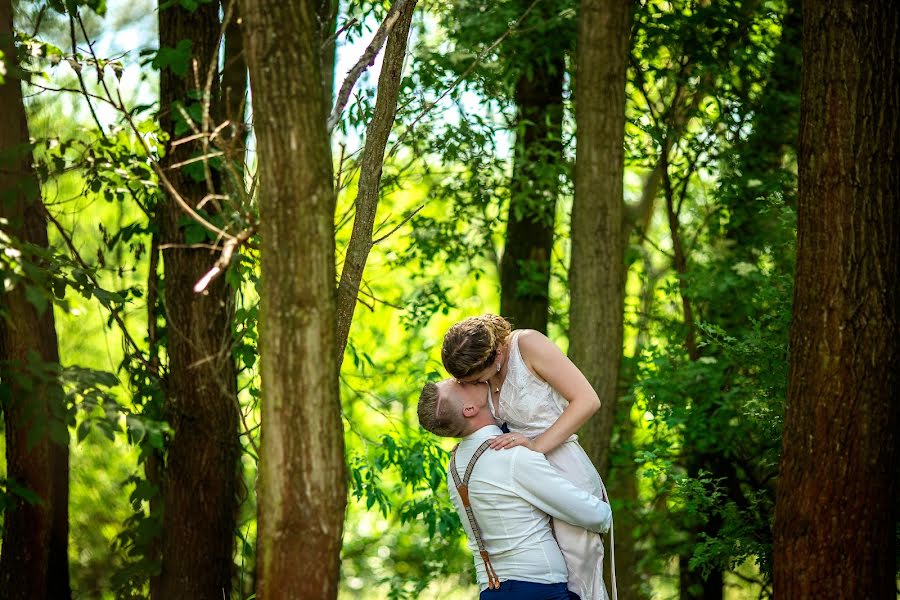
510 440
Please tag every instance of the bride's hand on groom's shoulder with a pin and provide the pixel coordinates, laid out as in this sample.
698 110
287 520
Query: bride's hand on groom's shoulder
511 440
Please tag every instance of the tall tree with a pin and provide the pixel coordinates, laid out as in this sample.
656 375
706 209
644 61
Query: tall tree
597 263
302 471
835 520
537 169
200 481
34 554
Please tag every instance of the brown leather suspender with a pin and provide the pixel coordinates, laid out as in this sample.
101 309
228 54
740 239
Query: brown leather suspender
462 486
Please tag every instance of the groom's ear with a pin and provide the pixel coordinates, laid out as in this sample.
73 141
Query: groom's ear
470 411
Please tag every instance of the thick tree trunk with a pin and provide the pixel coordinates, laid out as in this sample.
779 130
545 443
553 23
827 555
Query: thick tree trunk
597 263
302 472
835 517
33 557
597 266
369 187
200 480
537 167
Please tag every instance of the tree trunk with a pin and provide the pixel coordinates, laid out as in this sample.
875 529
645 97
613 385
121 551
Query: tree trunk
369 187
835 517
327 15
597 263
597 266
537 167
34 559
200 480
302 486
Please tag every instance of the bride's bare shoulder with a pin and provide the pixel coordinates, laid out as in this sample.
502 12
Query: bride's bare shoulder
532 343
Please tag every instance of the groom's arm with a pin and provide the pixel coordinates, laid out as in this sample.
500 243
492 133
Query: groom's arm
539 483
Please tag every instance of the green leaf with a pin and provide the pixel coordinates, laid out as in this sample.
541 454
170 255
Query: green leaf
59 433
26 494
82 431
176 58
107 297
37 297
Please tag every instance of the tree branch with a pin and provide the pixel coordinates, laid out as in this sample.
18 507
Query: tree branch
365 61
377 134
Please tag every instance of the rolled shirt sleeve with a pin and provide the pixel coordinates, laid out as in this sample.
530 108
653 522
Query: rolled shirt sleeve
539 483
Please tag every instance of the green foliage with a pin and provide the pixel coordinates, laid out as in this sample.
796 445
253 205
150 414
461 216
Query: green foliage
176 59
71 6
189 5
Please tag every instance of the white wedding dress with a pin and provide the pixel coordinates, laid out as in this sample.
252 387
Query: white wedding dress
530 406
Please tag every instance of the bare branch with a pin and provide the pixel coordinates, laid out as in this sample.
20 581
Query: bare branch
332 38
365 61
369 187
163 179
87 271
224 260
399 225
87 98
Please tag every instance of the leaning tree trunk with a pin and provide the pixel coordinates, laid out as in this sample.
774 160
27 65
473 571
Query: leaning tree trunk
835 516
537 167
369 187
33 558
302 474
200 480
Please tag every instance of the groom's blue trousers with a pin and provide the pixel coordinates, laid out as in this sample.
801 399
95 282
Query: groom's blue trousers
512 589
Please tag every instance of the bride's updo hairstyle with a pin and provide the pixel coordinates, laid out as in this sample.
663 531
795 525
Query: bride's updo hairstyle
471 346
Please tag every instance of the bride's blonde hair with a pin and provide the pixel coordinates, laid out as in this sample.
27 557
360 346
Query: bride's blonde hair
471 345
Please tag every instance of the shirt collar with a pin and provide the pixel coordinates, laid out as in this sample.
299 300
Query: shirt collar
482 434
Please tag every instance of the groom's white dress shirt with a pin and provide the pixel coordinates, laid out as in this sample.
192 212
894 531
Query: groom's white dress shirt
513 494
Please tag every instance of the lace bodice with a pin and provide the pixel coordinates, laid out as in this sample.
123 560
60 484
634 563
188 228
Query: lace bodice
528 404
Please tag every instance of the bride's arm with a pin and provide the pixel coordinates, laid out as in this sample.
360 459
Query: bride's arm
548 362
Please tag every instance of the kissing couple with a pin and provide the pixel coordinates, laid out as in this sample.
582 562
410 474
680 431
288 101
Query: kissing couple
531 502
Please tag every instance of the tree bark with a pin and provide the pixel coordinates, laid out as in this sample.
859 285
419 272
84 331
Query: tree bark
34 559
200 478
537 167
327 14
597 265
369 187
835 517
302 486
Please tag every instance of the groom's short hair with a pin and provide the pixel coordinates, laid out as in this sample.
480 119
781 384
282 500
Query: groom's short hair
437 414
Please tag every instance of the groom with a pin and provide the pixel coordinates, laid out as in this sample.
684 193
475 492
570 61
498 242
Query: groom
505 498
